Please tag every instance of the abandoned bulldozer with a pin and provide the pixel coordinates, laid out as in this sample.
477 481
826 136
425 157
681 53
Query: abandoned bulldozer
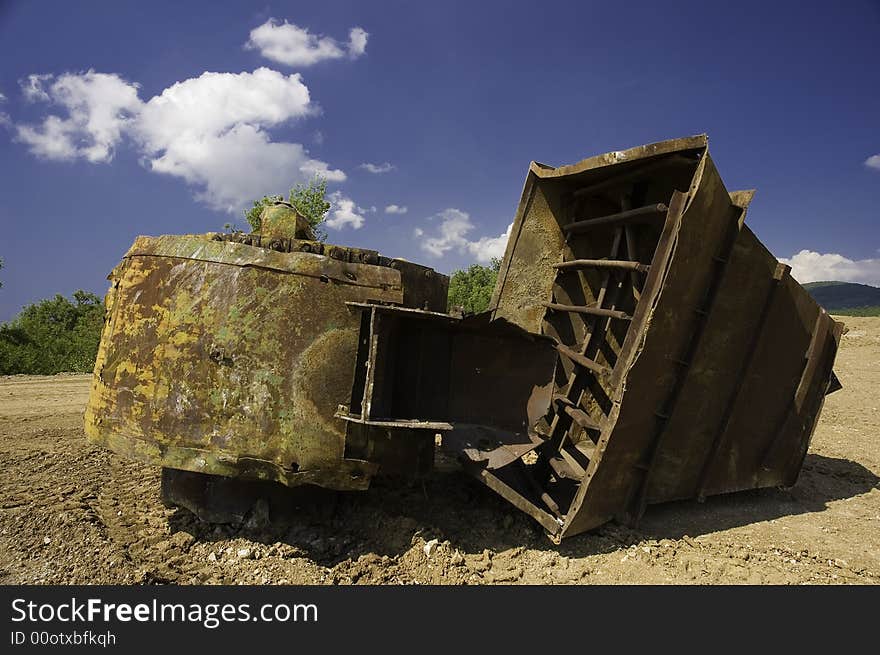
641 346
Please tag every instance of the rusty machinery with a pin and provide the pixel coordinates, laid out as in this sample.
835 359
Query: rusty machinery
641 346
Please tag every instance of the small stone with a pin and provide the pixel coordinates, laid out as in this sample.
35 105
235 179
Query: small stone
244 553
182 540
47 540
430 547
212 557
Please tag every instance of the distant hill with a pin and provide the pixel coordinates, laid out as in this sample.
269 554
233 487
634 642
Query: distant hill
846 298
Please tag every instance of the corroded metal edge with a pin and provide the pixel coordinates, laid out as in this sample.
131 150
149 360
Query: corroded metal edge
696 142
346 474
200 248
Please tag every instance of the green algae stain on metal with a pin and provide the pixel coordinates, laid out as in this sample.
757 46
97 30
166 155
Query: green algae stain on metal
231 359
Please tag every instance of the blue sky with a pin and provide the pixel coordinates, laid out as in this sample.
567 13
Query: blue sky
119 119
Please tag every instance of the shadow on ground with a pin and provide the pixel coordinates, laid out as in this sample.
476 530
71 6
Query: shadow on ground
822 480
330 527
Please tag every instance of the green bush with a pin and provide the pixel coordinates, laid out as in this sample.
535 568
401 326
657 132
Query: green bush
310 200
53 336
472 289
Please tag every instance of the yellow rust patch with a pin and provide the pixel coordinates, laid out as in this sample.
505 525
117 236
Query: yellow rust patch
230 359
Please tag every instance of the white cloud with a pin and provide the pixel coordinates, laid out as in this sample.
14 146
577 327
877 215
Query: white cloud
810 266
32 87
488 248
452 235
455 224
214 102
396 209
377 169
99 106
230 168
357 42
213 131
292 45
52 140
344 211
873 162
209 130
2 98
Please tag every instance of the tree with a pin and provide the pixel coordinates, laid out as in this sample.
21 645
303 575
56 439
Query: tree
252 215
309 200
52 336
472 289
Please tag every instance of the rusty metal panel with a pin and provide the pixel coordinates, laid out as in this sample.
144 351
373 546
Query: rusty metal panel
709 370
536 242
230 359
482 384
441 372
774 413
648 380
736 318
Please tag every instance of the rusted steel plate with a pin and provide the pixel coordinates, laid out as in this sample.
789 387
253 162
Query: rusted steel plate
230 359
435 371
489 447
536 240
646 383
717 381
305 264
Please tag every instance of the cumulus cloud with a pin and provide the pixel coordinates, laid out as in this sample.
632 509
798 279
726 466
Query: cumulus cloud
98 107
2 98
452 233
210 130
292 45
485 249
377 169
873 162
810 266
396 209
213 102
32 87
344 211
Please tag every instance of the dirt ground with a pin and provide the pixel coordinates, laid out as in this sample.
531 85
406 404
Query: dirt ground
73 513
